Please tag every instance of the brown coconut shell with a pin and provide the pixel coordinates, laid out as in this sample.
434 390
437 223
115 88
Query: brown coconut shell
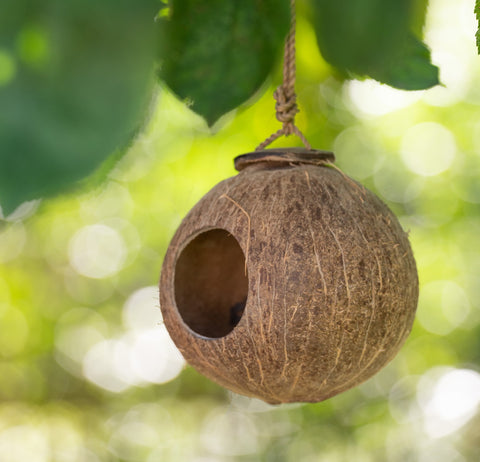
290 281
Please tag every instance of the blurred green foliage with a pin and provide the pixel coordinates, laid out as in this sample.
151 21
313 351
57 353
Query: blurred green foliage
86 370
375 38
75 82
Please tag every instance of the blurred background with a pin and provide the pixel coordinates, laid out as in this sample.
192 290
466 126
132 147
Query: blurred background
88 372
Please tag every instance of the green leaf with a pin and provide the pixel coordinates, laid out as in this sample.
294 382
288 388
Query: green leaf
82 78
373 38
217 54
358 35
411 70
419 14
418 17
477 14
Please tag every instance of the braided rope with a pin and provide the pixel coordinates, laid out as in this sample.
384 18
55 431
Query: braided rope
285 97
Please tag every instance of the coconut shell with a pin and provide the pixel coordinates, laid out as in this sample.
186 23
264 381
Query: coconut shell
289 281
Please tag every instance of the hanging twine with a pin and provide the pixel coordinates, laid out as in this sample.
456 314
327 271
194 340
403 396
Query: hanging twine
286 99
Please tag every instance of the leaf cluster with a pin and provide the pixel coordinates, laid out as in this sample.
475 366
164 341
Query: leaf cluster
76 77
217 54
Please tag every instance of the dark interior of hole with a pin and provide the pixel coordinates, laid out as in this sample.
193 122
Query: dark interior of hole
210 283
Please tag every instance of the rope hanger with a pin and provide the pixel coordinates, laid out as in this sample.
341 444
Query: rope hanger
286 99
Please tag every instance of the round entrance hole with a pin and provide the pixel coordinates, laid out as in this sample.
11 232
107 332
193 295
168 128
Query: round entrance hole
211 286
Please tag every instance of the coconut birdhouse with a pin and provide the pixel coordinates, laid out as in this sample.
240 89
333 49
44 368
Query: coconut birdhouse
289 281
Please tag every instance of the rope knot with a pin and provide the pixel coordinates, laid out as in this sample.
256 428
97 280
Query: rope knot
285 97
286 109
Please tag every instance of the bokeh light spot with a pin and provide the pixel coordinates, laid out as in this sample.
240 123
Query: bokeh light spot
448 401
375 99
154 357
358 152
230 433
22 443
8 68
137 358
12 241
74 342
442 306
33 47
99 366
428 148
142 310
97 251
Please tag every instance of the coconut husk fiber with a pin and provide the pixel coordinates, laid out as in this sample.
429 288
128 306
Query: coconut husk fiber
289 282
